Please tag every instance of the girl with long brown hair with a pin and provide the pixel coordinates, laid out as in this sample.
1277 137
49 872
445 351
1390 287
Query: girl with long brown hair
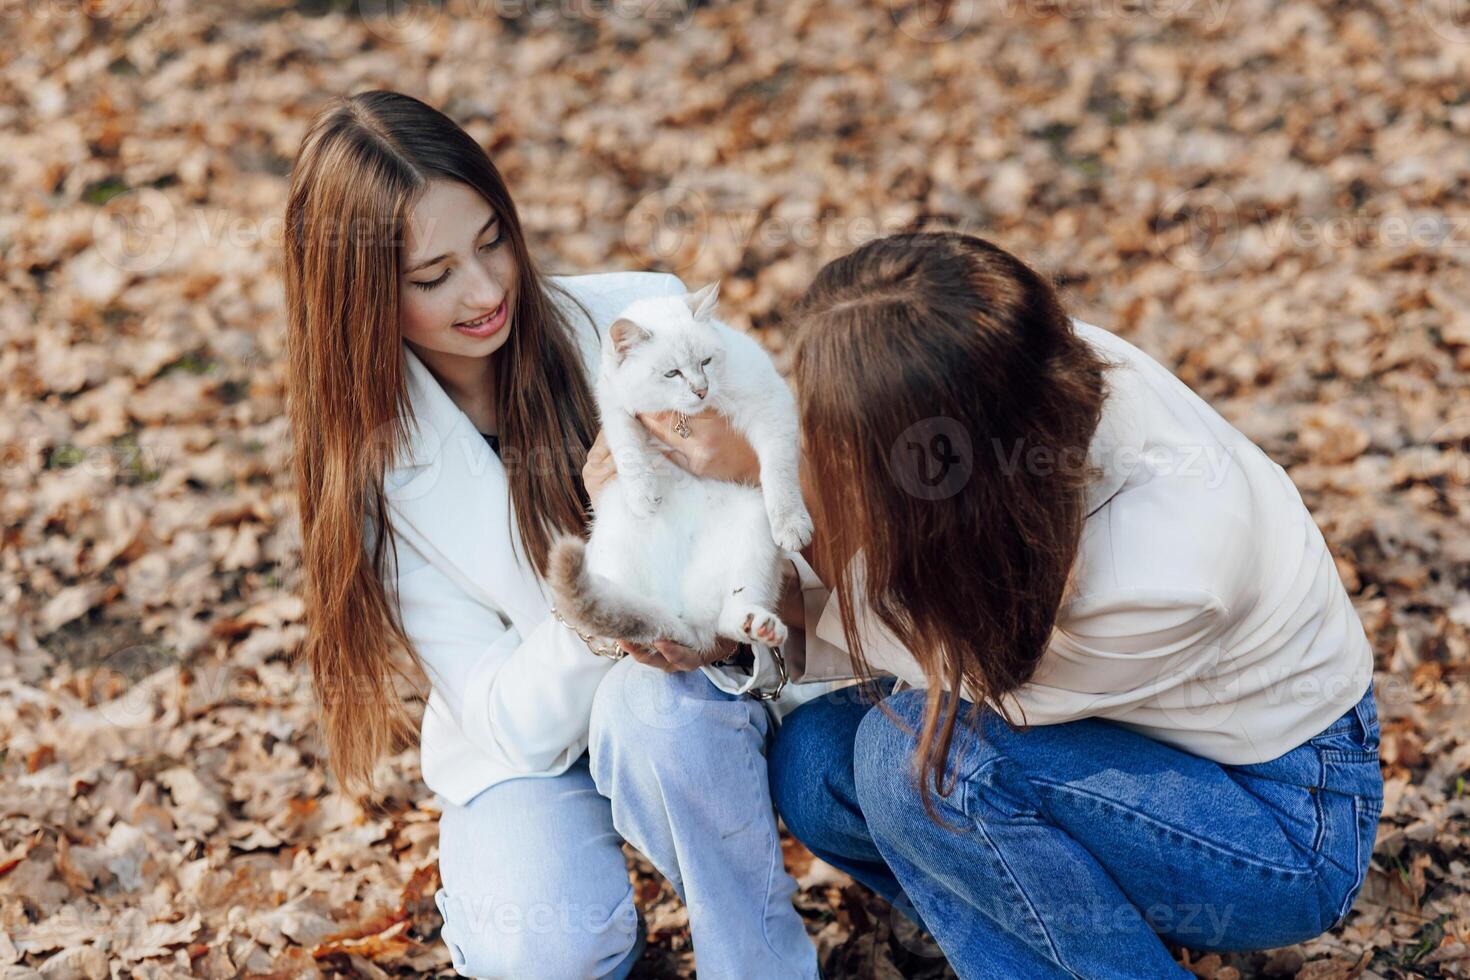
444 433
1137 700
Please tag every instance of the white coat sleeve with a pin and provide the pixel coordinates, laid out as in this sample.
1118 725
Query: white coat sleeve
525 700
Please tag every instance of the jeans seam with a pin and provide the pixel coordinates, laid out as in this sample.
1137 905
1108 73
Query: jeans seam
1310 871
1360 869
1321 812
777 858
1361 710
963 808
1035 916
1357 861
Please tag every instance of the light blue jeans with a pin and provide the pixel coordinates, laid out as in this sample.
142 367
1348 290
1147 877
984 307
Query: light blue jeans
534 880
1070 849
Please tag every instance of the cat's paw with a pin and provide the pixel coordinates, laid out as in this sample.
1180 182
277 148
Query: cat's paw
763 627
791 529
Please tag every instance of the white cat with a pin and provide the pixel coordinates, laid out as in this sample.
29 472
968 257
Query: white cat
671 555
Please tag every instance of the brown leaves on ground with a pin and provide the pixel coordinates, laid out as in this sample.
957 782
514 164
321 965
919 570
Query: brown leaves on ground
1270 197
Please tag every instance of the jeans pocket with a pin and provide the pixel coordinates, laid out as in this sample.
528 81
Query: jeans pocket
1344 749
1348 739
1289 787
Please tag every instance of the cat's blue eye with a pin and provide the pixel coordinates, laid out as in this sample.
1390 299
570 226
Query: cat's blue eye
705 361
673 374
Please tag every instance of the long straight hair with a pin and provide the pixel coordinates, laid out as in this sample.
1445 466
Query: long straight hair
364 163
931 367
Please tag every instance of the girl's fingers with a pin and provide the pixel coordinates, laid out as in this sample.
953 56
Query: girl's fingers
680 656
661 425
658 425
679 458
671 657
598 451
672 446
648 656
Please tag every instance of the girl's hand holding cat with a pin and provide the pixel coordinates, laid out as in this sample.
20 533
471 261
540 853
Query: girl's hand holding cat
673 658
714 449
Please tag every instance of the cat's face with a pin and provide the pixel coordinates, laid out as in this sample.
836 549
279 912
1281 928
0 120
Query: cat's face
664 355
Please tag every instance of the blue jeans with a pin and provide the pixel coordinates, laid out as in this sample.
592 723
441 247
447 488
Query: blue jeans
1071 849
535 884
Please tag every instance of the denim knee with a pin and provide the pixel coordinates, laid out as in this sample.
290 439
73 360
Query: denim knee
985 783
655 735
539 941
809 767
882 762
638 705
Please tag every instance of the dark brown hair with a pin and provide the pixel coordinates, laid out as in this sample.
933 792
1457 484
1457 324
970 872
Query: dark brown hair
364 163
931 367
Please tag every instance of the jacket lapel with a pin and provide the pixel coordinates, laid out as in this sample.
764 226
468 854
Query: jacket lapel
449 491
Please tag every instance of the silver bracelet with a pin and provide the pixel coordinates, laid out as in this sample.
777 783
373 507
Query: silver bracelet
772 695
600 645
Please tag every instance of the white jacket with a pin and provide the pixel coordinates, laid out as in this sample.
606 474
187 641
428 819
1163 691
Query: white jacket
511 688
1208 613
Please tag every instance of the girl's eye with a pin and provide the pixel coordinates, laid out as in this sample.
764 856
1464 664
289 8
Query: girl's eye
488 246
432 282
673 374
705 361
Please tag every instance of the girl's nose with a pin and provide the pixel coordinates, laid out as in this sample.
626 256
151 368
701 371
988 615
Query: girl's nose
484 294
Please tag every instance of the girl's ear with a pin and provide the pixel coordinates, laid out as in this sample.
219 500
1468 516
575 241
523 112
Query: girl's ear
702 301
625 335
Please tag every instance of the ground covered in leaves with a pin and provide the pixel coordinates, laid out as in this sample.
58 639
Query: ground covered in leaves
1270 197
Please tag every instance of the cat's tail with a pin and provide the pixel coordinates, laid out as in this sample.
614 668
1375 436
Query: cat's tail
596 604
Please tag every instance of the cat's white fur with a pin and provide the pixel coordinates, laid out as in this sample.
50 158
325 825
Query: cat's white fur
671 555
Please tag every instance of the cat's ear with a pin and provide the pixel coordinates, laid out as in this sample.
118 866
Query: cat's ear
702 301
625 335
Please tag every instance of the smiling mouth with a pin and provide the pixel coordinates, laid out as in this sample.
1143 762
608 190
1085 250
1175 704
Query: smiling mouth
487 325
481 320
